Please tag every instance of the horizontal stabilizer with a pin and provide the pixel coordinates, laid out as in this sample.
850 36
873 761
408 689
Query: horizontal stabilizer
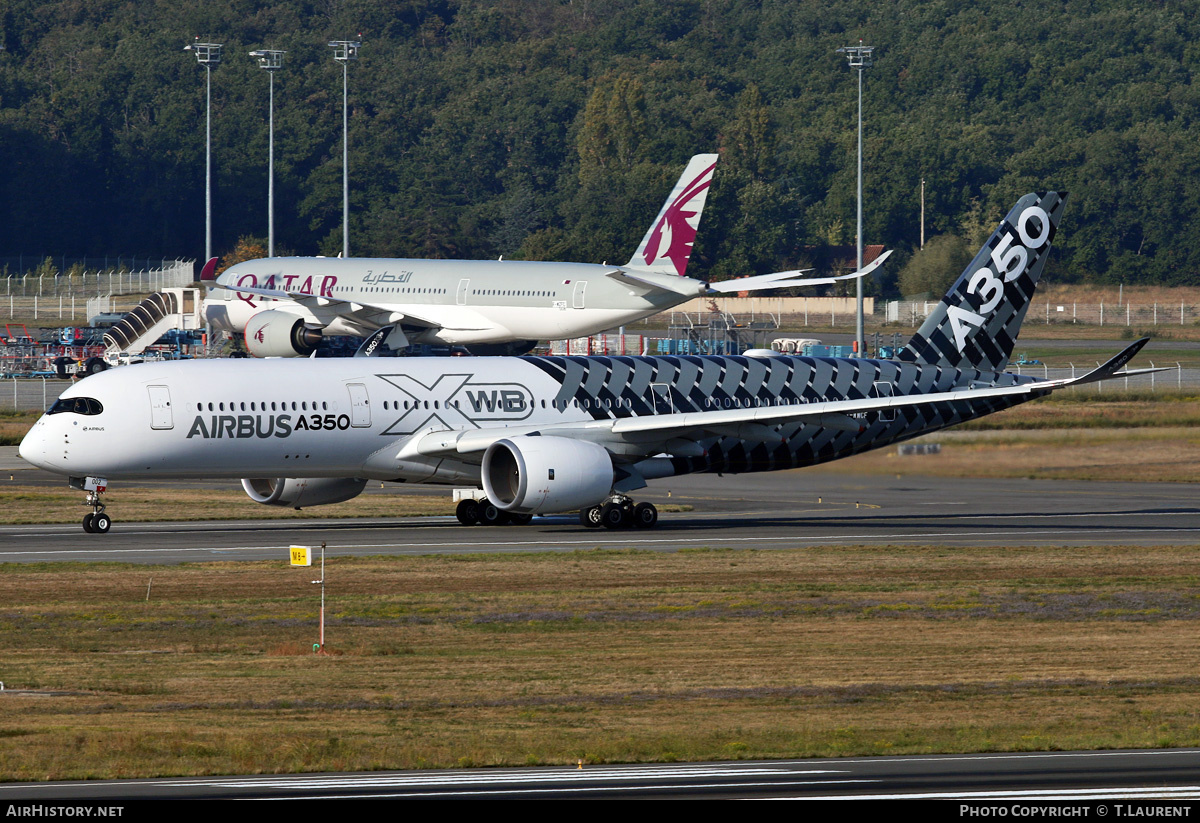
655 281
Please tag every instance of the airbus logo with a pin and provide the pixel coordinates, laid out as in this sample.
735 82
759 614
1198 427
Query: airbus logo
455 401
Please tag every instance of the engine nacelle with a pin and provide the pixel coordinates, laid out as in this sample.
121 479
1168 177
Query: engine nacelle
297 492
275 333
539 475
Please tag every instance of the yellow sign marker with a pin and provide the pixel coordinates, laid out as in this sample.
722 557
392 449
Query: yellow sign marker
301 555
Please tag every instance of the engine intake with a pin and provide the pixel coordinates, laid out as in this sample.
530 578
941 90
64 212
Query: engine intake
538 475
297 492
276 333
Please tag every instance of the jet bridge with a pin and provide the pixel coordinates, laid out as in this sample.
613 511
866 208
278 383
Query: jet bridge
152 318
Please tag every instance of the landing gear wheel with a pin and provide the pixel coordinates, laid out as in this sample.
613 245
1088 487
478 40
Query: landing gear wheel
590 517
489 515
96 521
520 519
645 515
615 516
468 512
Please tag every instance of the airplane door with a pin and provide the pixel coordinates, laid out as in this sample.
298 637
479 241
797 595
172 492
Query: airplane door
577 295
660 398
885 390
160 407
360 408
462 291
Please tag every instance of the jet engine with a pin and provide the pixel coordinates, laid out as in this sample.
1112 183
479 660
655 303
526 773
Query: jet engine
276 333
537 475
303 491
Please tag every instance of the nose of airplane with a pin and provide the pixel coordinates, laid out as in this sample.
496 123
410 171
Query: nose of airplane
33 448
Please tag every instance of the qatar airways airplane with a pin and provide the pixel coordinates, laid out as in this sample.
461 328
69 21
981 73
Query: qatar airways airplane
542 435
284 305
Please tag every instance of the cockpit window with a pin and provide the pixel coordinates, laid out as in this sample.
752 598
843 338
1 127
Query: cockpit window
79 405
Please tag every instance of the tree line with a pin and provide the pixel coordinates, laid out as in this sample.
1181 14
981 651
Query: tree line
553 129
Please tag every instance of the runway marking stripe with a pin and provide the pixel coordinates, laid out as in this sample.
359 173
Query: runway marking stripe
149 528
427 548
570 789
572 776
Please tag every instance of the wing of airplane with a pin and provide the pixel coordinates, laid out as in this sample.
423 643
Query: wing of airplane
777 280
636 437
784 279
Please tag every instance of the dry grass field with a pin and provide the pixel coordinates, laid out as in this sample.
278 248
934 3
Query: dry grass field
596 656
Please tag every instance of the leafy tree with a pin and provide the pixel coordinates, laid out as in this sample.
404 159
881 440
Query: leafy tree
932 270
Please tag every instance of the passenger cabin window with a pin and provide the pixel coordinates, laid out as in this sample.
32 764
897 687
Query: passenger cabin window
78 405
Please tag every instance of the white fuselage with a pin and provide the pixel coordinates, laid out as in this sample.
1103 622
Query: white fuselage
428 419
456 302
294 418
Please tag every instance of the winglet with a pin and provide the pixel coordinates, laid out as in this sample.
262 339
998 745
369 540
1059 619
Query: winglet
1109 369
209 270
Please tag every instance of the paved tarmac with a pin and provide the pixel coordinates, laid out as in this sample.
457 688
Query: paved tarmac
1022 784
806 507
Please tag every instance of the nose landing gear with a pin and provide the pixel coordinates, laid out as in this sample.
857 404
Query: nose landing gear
96 522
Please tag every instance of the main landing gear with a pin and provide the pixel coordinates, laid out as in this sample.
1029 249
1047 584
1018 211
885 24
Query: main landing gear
619 512
95 522
485 513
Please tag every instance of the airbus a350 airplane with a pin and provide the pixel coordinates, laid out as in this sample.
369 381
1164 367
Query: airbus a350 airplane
285 304
552 434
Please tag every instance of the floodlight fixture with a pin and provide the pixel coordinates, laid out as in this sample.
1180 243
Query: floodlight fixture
207 55
271 60
345 51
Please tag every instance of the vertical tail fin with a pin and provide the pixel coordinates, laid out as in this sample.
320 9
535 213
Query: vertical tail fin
668 244
976 324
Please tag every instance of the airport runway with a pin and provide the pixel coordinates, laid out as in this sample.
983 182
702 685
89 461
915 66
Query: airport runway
759 511
754 511
1131 783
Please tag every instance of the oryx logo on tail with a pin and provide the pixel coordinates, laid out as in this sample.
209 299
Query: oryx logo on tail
668 244
976 323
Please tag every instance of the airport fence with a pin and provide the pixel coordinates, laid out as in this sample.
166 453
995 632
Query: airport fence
31 394
1126 315
31 288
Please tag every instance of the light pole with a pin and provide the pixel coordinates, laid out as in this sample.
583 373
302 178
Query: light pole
343 52
860 58
271 60
207 55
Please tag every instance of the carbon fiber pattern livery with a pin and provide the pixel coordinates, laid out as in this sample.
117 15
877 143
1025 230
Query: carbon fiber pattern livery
615 387
976 323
